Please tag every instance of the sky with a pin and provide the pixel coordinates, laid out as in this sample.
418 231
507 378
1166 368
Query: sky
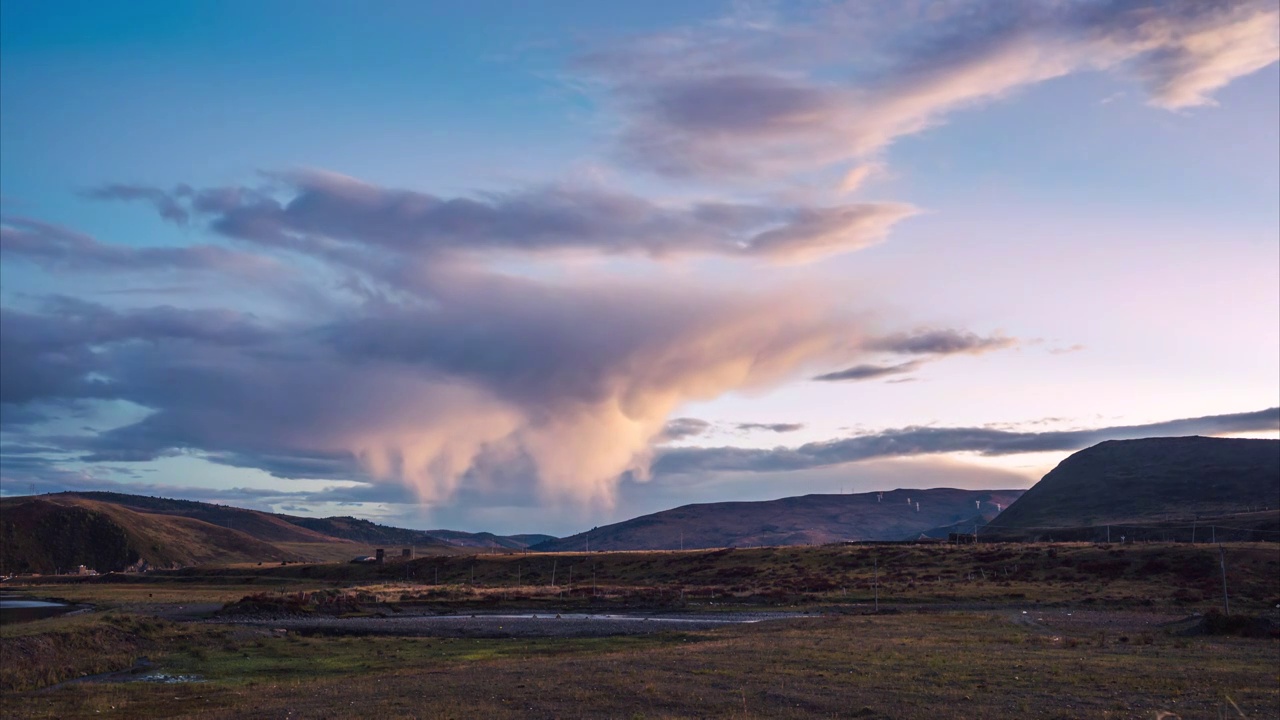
537 267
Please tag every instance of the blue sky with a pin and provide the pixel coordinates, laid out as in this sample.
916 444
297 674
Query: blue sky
464 264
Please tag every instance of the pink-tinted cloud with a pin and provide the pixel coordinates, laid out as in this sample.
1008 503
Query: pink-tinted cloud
733 100
326 213
572 382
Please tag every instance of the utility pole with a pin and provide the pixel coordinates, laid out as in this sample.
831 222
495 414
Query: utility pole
1222 560
554 562
877 584
1108 534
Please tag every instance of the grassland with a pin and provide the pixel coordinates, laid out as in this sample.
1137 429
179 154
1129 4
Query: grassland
996 631
1179 576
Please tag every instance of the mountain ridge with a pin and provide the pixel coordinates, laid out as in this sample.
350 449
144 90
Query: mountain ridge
798 520
1150 480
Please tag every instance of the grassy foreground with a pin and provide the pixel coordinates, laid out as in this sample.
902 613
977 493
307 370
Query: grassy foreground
1182 576
1061 631
975 665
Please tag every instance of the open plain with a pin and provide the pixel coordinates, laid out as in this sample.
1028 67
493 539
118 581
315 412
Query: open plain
866 631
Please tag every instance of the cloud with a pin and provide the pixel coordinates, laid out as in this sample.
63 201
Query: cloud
165 203
1067 350
771 427
939 342
837 84
935 343
326 214
869 372
55 248
913 441
681 428
57 354
571 382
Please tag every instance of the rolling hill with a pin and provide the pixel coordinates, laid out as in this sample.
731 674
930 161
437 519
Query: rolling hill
52 534
261 525
805 520
111 531
277 527
1151 480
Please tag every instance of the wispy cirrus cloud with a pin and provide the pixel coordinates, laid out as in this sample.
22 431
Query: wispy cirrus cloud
166 203
56 248
934 343
770 427
945 341
318 209
836 84
869 371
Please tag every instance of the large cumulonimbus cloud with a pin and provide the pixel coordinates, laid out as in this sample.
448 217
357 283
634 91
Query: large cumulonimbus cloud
423 383
776 95
394 353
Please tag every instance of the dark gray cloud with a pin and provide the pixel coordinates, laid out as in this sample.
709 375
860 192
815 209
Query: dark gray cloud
912 441
325 208
59 353
771 427
868 371
680 428
935 342
939 342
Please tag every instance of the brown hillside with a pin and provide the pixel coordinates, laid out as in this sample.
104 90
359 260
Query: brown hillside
44 535
261 525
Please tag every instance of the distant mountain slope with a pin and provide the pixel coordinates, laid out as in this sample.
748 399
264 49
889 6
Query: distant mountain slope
806 520
280 528
51 534
261 525
1151 480
365 531
489 540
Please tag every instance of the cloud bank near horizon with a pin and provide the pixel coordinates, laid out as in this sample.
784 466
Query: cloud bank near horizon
914 441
